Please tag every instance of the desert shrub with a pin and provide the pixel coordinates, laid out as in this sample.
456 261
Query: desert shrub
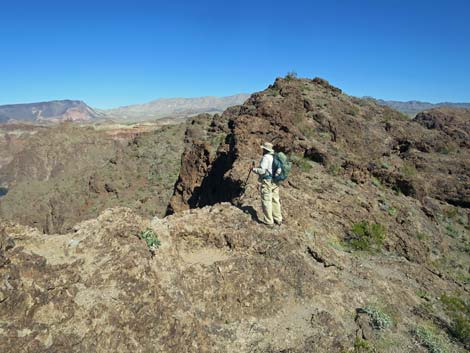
458 311
362 346
446 149
376 182
392 211
334 169
420 236
352 110
451 212
432 342
451 230
365 236
302 163
378 319
153 243
385 165
408 169
423 294
291 75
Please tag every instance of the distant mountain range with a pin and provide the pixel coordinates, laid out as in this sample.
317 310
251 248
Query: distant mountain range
414 107
175 107
75 110
55 111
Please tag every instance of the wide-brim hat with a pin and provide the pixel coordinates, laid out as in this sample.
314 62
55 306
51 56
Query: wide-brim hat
268 147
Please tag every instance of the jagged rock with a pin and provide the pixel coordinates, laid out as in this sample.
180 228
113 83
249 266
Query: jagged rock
302 117
222 282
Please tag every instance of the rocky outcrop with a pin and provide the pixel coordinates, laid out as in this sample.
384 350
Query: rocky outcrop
364 261
219 282
50 190
313 120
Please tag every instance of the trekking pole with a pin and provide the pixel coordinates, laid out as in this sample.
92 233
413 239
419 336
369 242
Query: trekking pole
246 181
248 177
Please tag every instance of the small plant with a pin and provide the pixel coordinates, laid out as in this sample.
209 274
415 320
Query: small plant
362 346
420 236
334 169
291 75
408 169
451 231
446 149
153 243
378 319
392 211
385 165
458 311
302 163
451 212
376 182
428 339
352 110
422 294
366 237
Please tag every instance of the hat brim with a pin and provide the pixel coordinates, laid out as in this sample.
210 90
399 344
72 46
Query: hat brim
267 149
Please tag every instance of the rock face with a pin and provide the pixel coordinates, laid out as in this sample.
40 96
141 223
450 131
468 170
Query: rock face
356 267
50 190
423 157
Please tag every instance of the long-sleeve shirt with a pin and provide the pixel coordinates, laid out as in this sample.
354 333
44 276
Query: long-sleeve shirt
265 166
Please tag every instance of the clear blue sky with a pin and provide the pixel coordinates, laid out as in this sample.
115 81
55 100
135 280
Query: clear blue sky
111 53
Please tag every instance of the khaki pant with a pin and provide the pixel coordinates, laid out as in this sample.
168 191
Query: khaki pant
270 202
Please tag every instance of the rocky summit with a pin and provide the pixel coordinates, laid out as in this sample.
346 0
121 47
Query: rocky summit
373 256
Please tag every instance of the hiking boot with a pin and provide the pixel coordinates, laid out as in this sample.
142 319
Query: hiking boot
270 226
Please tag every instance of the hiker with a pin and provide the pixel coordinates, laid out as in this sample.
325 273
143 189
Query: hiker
269 188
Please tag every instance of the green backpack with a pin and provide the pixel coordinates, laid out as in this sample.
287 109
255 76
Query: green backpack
280 160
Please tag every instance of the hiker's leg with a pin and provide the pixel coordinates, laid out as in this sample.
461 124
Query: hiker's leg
266 202
276 204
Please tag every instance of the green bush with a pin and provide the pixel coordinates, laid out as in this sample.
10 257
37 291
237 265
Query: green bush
385 165
334 169
408 169
302 163
291 75
432 342
458 311
420 236
376 182
378 319
153 243
366 237
362 346
451 231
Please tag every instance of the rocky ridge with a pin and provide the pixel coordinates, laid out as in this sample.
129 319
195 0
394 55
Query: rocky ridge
222 282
